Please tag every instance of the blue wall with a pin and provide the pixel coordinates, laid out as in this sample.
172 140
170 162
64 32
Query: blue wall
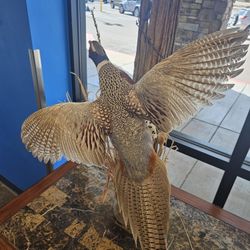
48 25
25 24
48 22
17 99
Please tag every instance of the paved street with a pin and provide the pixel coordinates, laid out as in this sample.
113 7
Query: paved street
219 124
118 31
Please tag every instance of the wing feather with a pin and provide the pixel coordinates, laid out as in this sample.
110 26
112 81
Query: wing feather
75 130
174 89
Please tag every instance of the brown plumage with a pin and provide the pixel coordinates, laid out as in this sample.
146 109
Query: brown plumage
167 95
145 205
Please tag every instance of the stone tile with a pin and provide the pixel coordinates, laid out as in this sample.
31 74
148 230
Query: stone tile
200 130
216 113
54 196
179 165
203 181
226 139
239 199
237 115
6 194
188 26
183 125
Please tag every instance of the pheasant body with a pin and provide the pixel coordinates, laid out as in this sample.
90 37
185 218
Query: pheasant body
172 91
128 132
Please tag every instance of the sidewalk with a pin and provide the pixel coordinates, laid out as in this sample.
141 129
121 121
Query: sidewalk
219 125
241 4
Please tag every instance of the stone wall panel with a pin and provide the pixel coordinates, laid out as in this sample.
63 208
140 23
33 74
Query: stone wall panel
200 17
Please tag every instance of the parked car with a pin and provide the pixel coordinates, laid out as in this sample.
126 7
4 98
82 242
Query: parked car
232 20
104 1
243 19
115 3
132 6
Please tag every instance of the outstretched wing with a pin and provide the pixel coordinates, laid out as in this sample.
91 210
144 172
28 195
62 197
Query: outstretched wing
174 89
75 130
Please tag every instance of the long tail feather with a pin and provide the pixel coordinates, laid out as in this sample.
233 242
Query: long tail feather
145 206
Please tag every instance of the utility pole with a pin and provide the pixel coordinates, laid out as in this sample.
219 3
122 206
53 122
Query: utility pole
101 3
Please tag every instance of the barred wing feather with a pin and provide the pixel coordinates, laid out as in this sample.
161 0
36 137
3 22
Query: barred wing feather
174 89
69 129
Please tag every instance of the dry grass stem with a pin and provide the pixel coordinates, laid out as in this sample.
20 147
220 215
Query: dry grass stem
185 229
68 97
97 93
82 88
164 155
97 31
104 233
170 244
172 147
83 210
105 190
28 241
49 210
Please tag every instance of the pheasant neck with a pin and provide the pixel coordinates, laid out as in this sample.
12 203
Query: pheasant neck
101 64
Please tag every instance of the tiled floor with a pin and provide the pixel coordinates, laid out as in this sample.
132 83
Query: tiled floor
219 125
239 199
235 118
179 167
225 139
203 181
200 130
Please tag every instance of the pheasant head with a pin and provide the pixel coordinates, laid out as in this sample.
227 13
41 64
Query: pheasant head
97 52
111 83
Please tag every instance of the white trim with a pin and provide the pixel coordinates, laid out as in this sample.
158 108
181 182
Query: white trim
101 64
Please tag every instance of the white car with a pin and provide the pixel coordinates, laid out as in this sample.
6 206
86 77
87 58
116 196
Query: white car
243 19
132 6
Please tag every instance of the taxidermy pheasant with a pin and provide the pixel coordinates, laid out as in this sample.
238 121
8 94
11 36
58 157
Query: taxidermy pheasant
172 91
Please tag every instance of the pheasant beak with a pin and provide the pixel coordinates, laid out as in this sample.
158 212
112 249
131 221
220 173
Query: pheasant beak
91 47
